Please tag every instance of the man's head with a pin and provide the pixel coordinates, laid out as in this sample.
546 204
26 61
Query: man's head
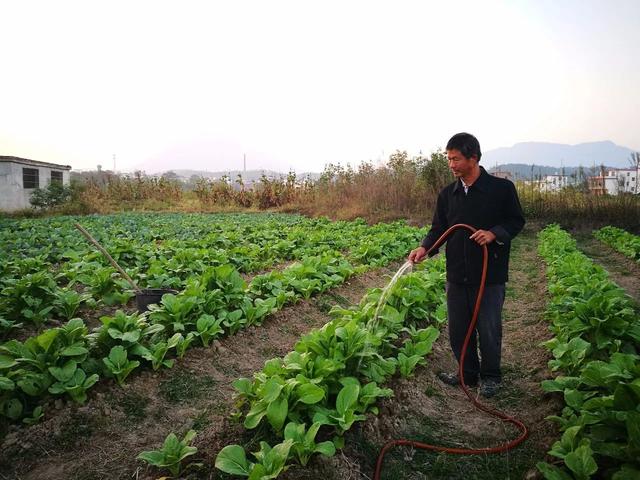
463 153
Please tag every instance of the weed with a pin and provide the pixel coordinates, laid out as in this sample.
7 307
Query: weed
134 406
201 420
184 385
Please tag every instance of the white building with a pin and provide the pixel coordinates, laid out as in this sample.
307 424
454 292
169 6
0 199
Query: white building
627 179
19 177
554 183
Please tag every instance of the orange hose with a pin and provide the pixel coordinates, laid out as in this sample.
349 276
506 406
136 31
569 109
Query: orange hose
496 413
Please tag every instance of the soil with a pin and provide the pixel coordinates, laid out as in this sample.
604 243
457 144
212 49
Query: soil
102 439
623 270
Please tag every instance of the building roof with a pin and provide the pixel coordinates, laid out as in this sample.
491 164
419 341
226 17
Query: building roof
34 163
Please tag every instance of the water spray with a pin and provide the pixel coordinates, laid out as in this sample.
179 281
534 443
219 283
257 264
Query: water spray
407 267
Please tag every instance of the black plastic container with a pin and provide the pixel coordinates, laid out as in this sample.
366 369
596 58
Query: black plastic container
151 295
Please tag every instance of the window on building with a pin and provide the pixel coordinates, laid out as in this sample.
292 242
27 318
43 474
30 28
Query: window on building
30 178
56 177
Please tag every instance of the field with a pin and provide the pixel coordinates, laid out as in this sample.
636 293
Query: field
269 345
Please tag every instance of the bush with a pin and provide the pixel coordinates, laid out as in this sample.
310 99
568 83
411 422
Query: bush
52 195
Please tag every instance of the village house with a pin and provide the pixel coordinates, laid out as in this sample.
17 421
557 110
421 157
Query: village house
19 177
615 181
554 183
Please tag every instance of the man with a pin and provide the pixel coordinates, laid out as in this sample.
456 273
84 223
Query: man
491 205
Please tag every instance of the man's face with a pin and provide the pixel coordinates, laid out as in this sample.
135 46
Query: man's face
459 165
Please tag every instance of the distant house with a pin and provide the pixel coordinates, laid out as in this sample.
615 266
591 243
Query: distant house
603 184
19 177
628 181
553 183
616 181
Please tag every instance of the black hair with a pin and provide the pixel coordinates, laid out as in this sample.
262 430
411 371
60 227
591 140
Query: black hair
466 143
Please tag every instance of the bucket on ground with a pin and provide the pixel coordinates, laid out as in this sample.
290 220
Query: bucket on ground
147 296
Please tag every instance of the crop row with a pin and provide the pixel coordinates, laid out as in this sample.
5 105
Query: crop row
596 351
331 379
68 360
39 283
620 240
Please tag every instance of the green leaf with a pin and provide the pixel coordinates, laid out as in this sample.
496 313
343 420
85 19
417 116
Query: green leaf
232 459
347 398
73 351
276 458
6 384
255 415
574 398
154 457
7 362
65 373
11 408
46 338
272 389
328 449
277 412
118 355
551 472
310 436
309 393
244 386
258 472
581 462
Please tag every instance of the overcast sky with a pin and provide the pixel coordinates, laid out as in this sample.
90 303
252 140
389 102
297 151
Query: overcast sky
298 84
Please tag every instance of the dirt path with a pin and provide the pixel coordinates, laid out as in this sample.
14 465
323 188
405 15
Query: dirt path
101 439
425 409
623 270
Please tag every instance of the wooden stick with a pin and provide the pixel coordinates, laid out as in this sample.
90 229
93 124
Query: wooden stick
109 257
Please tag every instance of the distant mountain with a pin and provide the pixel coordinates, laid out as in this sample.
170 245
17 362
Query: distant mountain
557 155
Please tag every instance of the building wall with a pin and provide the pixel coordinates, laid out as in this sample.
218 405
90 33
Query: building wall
611 185
12 194
629 180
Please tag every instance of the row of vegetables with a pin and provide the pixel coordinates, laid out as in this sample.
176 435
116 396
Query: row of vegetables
306 401
624 242
68 360
49 272
596 350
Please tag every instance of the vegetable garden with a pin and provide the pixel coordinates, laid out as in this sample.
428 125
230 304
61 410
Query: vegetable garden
71 336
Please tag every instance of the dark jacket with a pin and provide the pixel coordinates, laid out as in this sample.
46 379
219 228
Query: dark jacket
490 204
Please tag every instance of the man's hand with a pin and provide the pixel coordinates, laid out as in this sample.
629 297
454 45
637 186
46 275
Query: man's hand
417 255
483 237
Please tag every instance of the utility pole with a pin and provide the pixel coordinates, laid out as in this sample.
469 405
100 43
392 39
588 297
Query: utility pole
244 157
114 163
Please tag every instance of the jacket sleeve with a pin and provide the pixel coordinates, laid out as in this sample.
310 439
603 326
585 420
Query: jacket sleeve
439 224
513 218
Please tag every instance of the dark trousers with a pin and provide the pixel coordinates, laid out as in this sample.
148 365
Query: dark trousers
461 300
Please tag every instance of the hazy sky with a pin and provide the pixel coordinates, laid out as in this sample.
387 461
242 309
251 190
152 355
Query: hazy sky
297 84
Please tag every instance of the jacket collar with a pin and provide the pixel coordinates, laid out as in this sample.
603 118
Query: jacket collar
482 182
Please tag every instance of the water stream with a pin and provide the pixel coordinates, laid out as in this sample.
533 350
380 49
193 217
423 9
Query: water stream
407 267
373 322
